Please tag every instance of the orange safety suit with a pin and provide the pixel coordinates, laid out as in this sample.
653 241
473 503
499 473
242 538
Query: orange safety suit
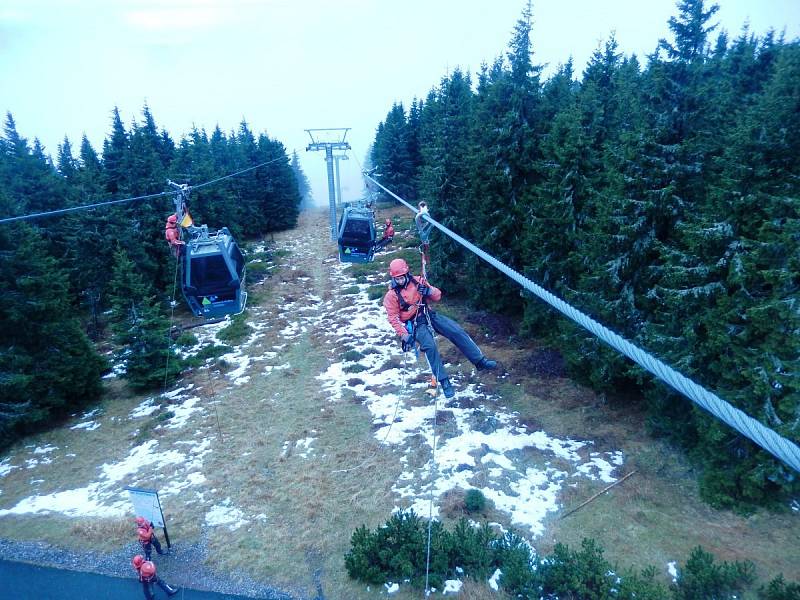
394 310
173 235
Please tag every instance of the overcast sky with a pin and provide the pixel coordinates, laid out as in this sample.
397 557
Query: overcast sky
289 65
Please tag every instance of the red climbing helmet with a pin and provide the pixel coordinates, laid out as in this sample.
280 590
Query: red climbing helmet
398 267
148 570
172 219
137 561
140 522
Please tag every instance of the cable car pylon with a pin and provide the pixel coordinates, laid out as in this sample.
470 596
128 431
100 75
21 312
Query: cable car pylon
339 143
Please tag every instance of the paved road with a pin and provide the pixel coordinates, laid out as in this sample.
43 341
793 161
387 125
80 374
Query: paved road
23 581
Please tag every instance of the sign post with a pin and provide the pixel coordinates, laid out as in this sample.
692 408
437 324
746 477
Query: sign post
147 504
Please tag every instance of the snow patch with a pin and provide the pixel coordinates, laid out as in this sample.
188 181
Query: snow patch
182 412
88 425
672 569
146 408
495 579
6 467
225 514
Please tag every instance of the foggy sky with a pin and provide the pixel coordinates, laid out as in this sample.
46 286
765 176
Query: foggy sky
288 65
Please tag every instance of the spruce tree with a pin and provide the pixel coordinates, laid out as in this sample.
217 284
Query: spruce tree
89 249
140 328
445 145
114 151
303 185
507 165
48 368
67 164
392 156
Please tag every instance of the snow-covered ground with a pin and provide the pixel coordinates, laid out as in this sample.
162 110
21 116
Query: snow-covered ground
477 443
521 471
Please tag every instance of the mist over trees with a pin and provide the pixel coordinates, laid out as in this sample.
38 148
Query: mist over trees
661 197
66 279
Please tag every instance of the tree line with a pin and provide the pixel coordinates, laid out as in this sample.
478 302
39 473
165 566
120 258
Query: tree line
65 279
661 198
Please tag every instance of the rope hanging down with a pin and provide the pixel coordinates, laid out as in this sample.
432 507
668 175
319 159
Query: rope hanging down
781 448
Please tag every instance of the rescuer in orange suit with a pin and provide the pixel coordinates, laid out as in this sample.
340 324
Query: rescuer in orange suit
388 235
406 303
173 235
146 570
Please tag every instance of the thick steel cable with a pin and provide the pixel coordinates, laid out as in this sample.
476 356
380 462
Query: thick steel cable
781 448
218 179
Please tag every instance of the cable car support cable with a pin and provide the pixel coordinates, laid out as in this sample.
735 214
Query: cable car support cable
62 211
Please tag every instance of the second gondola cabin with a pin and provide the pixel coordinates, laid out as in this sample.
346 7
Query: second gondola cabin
356 235
213 274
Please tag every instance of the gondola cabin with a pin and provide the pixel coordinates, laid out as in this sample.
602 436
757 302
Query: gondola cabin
213 274
356 235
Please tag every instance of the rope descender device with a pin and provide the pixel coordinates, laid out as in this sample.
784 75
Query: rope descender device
424 230
423 226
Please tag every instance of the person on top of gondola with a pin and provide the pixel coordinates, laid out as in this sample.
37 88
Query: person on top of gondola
407 302
173 235
388 236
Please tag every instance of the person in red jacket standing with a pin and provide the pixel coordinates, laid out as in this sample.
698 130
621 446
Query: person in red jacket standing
147 537
173 235
407 302
148 578
388 236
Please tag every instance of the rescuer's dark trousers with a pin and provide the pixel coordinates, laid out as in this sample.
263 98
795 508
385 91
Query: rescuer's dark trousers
453 332
382 243
147 588
147 547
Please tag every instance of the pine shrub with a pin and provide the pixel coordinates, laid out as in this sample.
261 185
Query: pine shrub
514 558
257 272
237 331
584 573
702 578
778 589
396 551
474 501
186 340
352 356
376 292
471 549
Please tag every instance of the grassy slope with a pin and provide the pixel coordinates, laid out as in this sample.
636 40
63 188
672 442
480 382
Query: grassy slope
312 506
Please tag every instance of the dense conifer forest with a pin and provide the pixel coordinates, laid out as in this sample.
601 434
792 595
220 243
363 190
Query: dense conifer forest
74 279
660 196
